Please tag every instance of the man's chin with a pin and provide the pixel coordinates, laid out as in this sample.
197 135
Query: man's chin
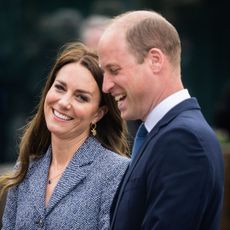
127 117
124 116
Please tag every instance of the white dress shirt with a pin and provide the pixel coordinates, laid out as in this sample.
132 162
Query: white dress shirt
163 107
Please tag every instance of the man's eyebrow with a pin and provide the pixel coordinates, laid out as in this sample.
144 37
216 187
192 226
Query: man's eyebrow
108 66
103 68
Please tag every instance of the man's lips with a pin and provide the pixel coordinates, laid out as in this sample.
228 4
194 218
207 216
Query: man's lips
120 97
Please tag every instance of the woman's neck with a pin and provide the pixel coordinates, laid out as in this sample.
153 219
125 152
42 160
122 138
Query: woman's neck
63 150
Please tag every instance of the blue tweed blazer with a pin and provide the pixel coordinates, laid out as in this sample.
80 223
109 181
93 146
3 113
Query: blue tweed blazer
81 199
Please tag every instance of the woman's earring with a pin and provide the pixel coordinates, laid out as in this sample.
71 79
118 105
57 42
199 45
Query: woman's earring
93 129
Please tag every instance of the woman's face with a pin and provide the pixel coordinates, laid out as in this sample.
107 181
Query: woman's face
72 103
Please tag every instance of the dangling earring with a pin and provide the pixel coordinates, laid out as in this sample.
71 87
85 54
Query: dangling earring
93 129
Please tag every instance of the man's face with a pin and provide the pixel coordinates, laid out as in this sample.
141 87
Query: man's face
125 78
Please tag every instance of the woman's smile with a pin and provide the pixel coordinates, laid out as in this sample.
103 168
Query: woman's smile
61 116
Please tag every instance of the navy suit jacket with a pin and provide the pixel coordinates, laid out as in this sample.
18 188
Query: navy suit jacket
176 182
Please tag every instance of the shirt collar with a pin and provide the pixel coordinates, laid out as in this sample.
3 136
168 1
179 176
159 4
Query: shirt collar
163 107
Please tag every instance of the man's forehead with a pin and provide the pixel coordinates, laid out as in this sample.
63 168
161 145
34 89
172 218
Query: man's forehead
111 57
111 47
107 64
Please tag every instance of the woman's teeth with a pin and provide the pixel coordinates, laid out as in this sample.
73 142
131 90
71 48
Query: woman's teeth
62 116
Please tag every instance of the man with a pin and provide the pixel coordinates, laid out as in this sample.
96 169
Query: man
91 31
175 182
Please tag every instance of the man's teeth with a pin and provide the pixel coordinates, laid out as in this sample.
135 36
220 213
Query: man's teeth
61 116
118 98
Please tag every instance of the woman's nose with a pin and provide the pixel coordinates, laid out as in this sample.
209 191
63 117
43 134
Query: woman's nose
65 102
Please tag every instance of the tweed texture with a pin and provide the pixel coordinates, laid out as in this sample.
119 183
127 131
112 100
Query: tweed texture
81 199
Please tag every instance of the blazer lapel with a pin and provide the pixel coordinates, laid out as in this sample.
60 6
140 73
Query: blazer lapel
38 179
75 173
188 104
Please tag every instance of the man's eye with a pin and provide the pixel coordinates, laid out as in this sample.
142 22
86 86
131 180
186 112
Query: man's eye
114 71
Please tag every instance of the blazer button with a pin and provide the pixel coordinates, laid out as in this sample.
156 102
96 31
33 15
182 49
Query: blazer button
40 223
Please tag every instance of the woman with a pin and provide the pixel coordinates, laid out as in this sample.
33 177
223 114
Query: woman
67 171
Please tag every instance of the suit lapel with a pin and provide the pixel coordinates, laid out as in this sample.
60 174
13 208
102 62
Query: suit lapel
75 173
188 104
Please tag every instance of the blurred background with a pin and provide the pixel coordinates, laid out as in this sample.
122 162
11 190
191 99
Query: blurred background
32 31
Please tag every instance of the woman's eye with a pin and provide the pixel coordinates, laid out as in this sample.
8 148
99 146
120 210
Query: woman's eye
59 87
82 98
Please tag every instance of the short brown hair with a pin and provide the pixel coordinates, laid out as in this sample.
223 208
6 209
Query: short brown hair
150 30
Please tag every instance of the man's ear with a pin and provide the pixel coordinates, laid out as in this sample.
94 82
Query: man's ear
100 113
156 58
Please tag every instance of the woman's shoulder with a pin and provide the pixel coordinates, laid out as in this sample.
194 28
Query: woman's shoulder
105 153
115 157
112 161
105 162
109 167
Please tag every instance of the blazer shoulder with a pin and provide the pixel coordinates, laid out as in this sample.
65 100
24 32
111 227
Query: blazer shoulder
111 162
114 158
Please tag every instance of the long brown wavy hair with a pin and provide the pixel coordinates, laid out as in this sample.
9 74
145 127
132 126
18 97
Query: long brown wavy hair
36 138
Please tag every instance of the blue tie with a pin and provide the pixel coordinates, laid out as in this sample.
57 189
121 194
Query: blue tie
139 138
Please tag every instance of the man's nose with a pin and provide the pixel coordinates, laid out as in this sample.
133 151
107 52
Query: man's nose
107 84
